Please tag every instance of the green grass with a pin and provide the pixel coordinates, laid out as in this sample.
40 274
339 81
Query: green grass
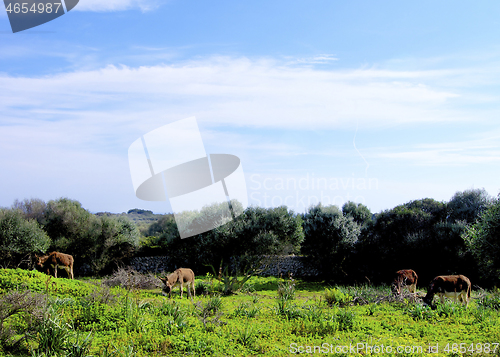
100 321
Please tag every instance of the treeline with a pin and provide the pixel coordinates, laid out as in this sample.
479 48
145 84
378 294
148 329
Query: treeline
96 242
347 245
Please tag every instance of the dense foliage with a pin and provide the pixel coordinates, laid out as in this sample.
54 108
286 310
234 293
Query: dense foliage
19 237
330 238
483 240
242 241
98 243
352 245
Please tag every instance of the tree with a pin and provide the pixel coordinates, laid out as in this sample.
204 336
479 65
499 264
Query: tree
359 212
116 239
71 227
101 241
330 238
483 241
249 236
408 236
19 237
468 205
33 208
159 234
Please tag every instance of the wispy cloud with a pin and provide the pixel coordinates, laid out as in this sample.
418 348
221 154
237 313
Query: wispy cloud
319 59
118 5
460 153
236 92
74 128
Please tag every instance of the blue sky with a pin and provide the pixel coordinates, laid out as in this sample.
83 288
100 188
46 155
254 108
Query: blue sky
378 103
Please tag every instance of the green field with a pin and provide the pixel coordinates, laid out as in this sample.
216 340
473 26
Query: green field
268 316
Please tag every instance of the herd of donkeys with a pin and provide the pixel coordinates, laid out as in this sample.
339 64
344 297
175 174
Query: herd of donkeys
56 260
452 286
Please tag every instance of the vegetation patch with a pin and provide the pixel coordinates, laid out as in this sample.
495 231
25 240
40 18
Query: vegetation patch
273 319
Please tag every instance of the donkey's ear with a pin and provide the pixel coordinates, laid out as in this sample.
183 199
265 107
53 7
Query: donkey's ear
163 279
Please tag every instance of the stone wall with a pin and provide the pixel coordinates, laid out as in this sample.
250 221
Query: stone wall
296 265
279 265
156 264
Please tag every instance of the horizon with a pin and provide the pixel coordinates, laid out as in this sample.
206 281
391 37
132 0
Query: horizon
250 206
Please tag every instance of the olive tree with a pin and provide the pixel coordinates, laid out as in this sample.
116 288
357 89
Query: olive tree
330 238
483 241
99 241
468 205
19 237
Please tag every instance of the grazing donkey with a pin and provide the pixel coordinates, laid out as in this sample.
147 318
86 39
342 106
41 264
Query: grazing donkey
405 277
179 277
56 260
452 286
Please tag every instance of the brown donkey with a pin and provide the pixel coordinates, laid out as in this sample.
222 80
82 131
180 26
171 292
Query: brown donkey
179 277
56 260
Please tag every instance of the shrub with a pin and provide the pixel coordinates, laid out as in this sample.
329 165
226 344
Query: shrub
420 312
491 300
336 297
246 336
346 320
175 318
201 288
329 239
209 313
19 237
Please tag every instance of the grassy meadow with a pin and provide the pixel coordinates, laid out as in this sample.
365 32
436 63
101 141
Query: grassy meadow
127 315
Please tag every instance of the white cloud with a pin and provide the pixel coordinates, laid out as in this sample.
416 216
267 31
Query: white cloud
237 92
117 5
67 134
319 59
460 153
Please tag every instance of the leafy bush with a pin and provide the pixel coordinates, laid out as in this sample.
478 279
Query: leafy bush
491 300
246 336
286 293
346 320
175 318
242 241
330 238
209 313
214 304
420 312
201 288
101 240
19 237
79 348
335 296
482 241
